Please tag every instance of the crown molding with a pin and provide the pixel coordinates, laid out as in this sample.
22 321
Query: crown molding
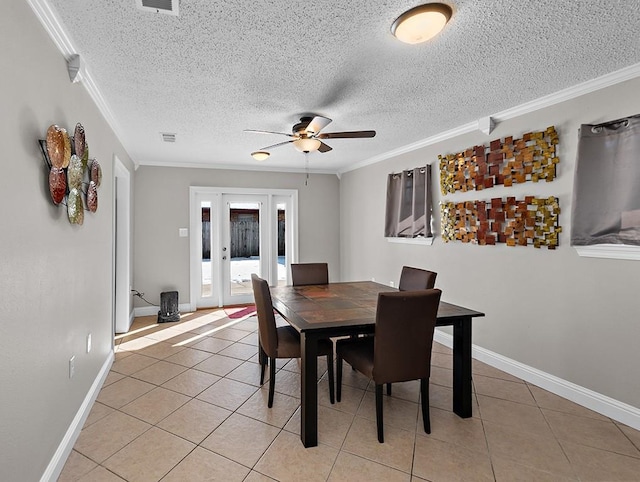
607 80
587 87
235 167
53 26
51 23
443 136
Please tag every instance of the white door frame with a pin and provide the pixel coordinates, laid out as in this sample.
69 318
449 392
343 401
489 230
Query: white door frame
195 228
121 247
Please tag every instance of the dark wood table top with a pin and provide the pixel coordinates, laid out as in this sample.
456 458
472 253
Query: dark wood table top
350 304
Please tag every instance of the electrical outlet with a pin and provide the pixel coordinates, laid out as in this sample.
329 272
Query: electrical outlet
391 283
373 279
89 343
72 366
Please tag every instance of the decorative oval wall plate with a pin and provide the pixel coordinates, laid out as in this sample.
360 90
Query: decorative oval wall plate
79 140
75 207
57 184
67 151
96 172
56 145
85 155
92 197
75 172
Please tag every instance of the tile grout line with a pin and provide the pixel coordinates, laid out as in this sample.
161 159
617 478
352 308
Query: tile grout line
280 429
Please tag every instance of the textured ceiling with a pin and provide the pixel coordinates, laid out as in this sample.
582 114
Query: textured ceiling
224 66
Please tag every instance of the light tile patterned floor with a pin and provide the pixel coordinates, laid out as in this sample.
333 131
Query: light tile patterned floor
183 403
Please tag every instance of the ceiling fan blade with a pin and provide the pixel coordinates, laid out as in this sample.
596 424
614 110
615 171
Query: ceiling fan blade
276 145
268 132
346 135
317 124
324 147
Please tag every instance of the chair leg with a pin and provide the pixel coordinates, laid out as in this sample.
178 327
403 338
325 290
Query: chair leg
339 377
389 389
272 381
424 395
262 358
379 418
330 376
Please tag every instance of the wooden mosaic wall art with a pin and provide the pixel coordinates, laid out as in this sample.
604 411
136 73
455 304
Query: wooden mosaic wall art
507 162
532 221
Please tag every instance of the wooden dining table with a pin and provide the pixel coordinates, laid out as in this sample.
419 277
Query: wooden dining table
339 309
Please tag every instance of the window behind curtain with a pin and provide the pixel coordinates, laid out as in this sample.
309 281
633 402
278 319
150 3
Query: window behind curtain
606 193
408 210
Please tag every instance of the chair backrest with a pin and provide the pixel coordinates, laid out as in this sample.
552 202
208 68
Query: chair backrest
309 274
266 319
412 279
405 321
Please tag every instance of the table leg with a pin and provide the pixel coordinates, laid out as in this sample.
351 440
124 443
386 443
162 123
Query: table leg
309 390
462 392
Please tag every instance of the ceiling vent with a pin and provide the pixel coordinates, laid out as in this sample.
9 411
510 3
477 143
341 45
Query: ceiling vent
170 7
168 137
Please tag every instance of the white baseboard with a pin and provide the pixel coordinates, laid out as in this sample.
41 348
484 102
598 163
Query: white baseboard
53 470
595 401
153 310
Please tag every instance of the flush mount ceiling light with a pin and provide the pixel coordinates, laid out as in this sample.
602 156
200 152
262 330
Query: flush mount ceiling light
260 155
421 23
305 144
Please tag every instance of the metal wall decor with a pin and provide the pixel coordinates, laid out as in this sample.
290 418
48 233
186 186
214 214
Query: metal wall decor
531 221
507 162
73 177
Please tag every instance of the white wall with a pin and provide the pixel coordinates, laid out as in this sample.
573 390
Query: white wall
572 317
55 278
161 257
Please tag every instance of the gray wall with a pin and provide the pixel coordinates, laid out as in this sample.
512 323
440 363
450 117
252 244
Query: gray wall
572 317
161 257
55 278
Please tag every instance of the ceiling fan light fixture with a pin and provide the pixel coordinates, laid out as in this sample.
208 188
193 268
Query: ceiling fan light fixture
260 155
421 23
305 144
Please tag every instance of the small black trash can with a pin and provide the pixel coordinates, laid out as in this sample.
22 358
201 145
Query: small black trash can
168 307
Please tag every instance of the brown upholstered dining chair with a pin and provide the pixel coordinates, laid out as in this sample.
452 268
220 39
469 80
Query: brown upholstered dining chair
281 341
416 279
309 274
399 351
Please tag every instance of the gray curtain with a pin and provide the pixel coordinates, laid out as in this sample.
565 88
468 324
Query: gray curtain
409 209
606 192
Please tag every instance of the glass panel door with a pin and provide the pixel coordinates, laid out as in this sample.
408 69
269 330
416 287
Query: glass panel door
282 244
244 246
208 233
206 287
237 232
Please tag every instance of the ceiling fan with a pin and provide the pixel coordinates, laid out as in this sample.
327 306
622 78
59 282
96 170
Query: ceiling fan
306 136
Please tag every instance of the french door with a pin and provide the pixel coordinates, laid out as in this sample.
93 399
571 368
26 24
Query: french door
237 232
